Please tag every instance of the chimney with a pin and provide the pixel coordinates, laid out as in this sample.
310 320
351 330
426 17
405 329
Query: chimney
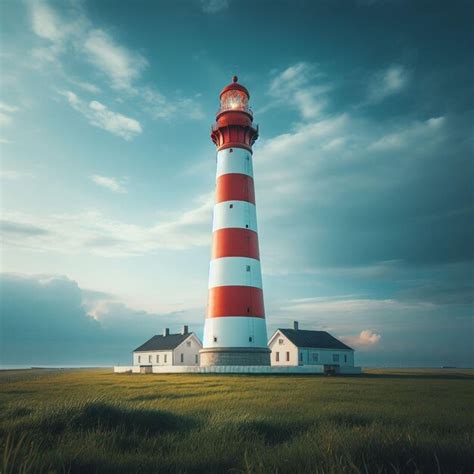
185 329
166 332
295 325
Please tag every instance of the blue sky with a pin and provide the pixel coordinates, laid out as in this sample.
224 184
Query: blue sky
363 171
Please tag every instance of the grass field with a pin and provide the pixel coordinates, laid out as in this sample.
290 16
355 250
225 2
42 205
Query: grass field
96 421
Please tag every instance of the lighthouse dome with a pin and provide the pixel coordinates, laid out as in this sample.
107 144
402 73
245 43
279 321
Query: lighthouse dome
235 98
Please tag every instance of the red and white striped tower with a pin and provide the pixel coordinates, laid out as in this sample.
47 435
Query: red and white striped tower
235 331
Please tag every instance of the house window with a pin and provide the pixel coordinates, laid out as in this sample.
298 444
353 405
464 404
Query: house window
166 358
139 359
335 357
149 359
315 356
182 357
188 343
280 341
250 338
231 206
345 358
215 339
301 357
287 356
277 356
248 268
157 358
196 358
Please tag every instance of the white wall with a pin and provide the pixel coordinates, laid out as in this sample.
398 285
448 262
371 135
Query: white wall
173 357
282 345
189 349
143 358
325 357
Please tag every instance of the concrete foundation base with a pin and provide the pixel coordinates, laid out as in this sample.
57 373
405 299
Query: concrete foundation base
236 369
234 356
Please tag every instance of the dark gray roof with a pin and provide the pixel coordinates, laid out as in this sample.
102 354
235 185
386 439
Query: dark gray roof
315 339
163 343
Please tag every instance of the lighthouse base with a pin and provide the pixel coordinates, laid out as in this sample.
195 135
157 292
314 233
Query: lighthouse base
234 356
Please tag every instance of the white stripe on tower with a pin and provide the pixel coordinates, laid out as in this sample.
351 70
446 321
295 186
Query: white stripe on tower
235 332
236 214
235 271
238 160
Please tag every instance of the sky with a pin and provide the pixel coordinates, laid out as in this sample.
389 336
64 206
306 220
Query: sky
363 172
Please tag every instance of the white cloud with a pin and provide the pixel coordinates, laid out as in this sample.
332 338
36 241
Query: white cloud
10 175
323 305
87 86
159 107
45 21
367 339
7 108
5 119
294 87
109 183
120 64
101 116
90 232
6 112
415 133
72 35
214 6
388 82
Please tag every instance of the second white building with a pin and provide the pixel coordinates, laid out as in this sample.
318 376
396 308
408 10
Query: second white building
168 350
296 347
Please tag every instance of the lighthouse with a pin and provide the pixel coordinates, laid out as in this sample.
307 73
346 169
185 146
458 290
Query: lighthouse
235 331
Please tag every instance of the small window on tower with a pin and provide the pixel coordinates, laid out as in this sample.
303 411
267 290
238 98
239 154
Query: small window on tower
230 150
215 339
248 268
231 206
246 226
250 338
248 309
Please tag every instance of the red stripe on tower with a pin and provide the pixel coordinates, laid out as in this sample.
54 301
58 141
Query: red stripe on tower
235 187
233 242
226 301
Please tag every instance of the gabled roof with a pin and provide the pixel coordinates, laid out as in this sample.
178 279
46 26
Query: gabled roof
313 339
163 343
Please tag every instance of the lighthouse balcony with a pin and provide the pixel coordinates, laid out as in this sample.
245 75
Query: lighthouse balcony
215 127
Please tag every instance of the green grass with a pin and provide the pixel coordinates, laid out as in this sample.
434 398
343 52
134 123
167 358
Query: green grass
96 421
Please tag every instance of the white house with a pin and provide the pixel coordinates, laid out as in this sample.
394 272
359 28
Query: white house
297 347
168 350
